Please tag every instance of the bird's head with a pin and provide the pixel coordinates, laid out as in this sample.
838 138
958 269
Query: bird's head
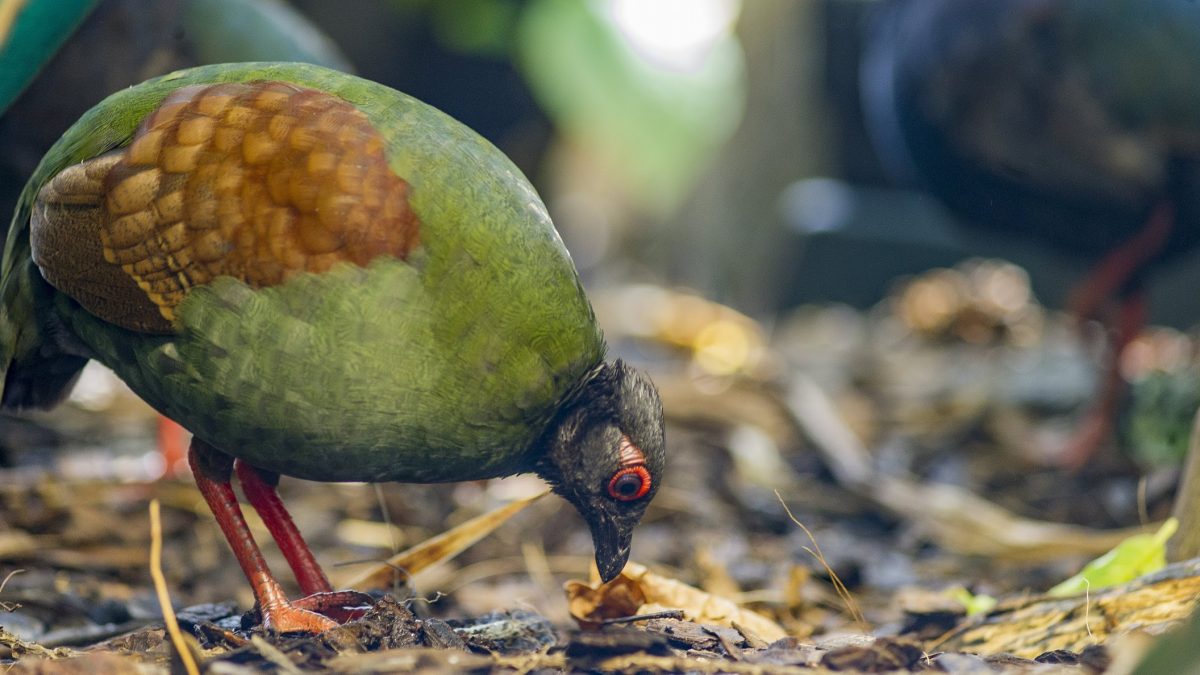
605 453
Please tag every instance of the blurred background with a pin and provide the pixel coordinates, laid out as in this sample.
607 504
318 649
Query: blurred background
709 165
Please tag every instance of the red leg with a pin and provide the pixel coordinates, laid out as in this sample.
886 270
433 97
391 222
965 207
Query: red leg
1098 422
259 487
1112 275
212 470
1116 276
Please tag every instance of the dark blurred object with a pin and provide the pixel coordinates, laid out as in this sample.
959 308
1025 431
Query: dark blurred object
861 226
124 42
1176 653
30 33
1074 123
858 240
19 436
452 54
222 31
118 45
1068 121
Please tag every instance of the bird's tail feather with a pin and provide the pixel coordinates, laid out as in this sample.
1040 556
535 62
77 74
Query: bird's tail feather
34 372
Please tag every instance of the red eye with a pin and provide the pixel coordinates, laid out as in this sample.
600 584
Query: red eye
629 484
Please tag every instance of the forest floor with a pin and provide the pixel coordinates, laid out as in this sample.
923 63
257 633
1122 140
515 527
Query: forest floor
841 487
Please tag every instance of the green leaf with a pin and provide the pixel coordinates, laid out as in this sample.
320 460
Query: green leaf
975 604
1137 556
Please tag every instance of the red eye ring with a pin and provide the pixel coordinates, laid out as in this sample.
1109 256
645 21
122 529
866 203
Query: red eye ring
618 485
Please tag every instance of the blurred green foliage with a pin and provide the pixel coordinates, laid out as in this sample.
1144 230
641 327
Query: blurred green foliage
257 30
1160 417
654 127
482 27
975 604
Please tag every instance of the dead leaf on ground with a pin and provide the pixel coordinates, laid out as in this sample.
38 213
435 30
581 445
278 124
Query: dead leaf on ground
437 549
639 591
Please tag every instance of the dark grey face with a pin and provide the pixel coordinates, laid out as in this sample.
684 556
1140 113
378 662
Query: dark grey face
606 457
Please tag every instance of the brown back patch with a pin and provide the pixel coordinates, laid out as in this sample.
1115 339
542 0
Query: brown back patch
257 181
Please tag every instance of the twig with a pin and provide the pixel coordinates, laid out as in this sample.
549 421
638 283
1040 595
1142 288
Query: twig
164 598
9 606
439 548
1087 606
403 577
842 591
665 614
1143 509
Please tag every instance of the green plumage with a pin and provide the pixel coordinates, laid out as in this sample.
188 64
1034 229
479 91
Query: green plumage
445 366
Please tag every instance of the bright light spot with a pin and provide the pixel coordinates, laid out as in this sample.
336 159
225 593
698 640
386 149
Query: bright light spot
1003 286
1156 350
96 388
674 34
819 204
757 457
646 310
722 347
153 465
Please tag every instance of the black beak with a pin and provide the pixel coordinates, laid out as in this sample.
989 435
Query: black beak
611 540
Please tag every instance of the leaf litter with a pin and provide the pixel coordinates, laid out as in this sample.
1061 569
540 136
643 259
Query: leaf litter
916 458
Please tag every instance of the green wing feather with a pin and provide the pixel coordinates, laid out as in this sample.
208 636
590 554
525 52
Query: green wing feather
440 367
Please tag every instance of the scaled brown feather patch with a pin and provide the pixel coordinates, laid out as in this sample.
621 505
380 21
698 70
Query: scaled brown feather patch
258 181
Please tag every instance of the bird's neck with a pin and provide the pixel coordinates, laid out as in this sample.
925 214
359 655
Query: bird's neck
593 389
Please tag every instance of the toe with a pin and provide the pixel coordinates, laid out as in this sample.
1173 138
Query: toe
342 606
288 618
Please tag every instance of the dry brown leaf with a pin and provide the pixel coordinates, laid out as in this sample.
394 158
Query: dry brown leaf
639 591
591 605
437 549
17 544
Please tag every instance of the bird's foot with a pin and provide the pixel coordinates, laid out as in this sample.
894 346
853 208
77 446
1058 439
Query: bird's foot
287 618
316 613
341 606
